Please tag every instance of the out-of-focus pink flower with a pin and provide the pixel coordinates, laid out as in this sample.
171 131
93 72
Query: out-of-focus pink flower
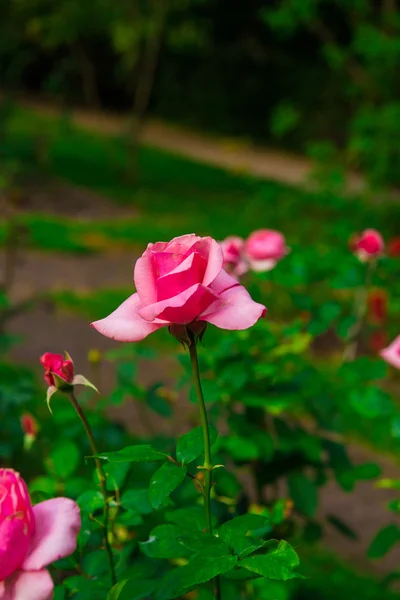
31 538
393 248
264 248
367 245
55 364
234 261
392 353
180 282
378 306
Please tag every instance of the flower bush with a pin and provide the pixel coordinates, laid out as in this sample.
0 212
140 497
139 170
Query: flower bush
217 512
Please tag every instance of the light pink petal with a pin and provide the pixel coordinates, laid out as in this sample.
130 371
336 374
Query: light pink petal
237 310
392 353
182 242
125 325
144 276
262 265
58 522
28 585
223 282
190 272
183 308
215 258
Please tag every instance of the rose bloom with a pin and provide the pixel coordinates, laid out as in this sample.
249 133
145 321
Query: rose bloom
55 363
392 353
234 262
181 282
264 248
32 537
367 245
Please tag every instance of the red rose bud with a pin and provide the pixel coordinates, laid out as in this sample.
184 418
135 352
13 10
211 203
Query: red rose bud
394 247
29 425
377 306
367 245
55 364
59 374
378 341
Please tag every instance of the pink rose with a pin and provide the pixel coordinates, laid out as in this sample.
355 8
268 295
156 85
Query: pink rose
392 353
178 283
234 262
264 248
367 245
56 364
31 538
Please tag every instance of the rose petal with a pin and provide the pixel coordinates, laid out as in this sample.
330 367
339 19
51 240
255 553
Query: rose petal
182 242
223 282
145 278
14 543
124 324
183 308
262 265
237 310
212 251
190 272
392 353
58 523
28 585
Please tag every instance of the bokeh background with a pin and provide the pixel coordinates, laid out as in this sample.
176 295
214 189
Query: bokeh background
129 121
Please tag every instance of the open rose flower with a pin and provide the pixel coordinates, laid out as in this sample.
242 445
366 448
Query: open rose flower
392 353
32 537
367 245
179 283
234 262
264 248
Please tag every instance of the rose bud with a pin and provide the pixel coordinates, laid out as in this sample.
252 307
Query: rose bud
368 245
264 248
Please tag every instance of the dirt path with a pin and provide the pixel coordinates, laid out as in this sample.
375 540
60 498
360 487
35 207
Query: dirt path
229 154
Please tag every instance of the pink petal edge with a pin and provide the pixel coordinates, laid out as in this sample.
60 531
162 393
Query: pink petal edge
238 310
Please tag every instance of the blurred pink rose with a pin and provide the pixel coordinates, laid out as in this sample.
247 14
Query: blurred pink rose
392 353
177 283
264 248
234 262
55 363
367 245
31 538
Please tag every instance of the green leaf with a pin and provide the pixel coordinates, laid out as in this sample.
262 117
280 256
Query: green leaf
63 460
138 589
241 448
304 493
188 518
367 471
164 542
198 571
90 501
191 445
384 540
137 500
95 563
205 545
115 592
371 402
239 533
134 454
164 481
278 564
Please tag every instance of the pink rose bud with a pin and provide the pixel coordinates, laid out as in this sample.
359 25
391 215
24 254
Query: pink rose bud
392 353
264 248
234 262
178 283
31 538
367 245
55 364
59 375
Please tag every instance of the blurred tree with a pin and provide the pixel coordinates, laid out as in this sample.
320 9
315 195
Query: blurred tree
138 32
360 42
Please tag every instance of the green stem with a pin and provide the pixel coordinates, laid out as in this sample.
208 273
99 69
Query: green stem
360 310
208 465
102 479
